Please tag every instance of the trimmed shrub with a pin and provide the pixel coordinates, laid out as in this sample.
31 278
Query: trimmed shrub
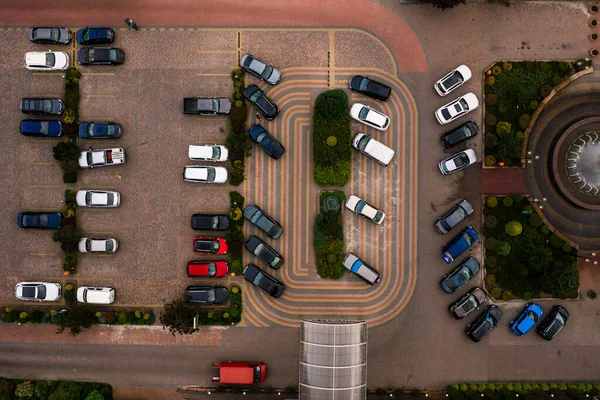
491 221
503 128
520 136
566 247
490 80
533 105
491 99
555 241
503 249
507 201
544 229
331 141
522 270
496 70
491 262
524 121
513 228
507 295
380 392
544 387
517 198
496 292
544 91
492 243
592 294
556 80
506 66
491 141
527 296
491 202
490 279
490 119
535 220
490 161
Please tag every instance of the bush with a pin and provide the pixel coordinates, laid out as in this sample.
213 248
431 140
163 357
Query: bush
380 392
527 296
66 390
520 136
506 66
491 202
555 241
507 201
507 295
491 261
492 243
503 128
544 229
70 296
556 80
491 141
544 91
491 99
491 221
566 247
490 161
490 80
513 228
94 395
524 121
496 293
490 119
533 105
331 141
236 177
592 294
503 249
66 151
496 70
490 279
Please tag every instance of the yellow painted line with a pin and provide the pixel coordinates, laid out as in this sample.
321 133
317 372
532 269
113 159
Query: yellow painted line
57 73
93 233
101 95
217 51
48 186
213 75
46 163
53 95
307 209
331 35
99 74
44 254
47 140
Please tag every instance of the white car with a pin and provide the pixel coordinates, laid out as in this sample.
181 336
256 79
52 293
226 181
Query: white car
458 161
372 148
95 295
38 291
359 206
101 157
98 245
457 108
452 80
369 116
47 61
98 198
208 153
204 174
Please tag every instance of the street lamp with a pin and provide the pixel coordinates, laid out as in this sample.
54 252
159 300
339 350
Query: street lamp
530 156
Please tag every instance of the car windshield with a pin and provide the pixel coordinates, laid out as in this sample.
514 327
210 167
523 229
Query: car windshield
378 216
210 295
215 245
363 84
216 152
88 245
210 174
54 34
88 198
362 143
258 278
446 114
466 237
212 269
463 103
259 249
86 35
109 245
46 105
44 127
462 160
215 222
360 205
41 292
110 198
88 156
112 55
453 80
267 72
363 113
50 59
533 316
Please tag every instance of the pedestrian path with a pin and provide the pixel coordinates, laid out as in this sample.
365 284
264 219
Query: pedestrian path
503 181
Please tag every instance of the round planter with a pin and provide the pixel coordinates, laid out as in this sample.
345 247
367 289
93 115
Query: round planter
592 294
593 37
593 23
593 9
594 52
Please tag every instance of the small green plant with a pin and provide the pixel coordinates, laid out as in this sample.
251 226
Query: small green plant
592 294
491 141
507 201
496 292
503 249
331 141
513 228
491 99
490 120
566 247
490 279
491 222
507 295
524 121
506 66
503 128
496 70
490 80
491 202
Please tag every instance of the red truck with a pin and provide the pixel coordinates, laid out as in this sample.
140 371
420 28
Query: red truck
240 372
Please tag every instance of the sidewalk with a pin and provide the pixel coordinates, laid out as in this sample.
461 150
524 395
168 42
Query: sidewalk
503 181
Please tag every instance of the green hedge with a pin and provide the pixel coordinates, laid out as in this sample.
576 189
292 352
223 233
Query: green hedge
329 235
330 118
12 389
235 237
237 140
67 153
527 390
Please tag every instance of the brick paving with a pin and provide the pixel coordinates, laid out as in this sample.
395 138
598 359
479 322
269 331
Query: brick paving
503 181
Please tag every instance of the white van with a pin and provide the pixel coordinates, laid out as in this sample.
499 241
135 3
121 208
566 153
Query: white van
373 149
95 295
208 153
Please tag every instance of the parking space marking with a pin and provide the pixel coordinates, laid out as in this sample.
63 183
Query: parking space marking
331 36
99 74
47 186
214 74
45 254
101 95
217 51
46 163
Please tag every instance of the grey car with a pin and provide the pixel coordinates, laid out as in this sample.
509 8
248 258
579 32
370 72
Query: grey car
455 216
48 35
263 221
467 303
206 294
460 275
260 69
264 252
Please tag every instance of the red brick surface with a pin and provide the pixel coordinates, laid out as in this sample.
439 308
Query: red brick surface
503 181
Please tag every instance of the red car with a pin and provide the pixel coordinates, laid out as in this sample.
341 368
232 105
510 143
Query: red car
209 245
211 269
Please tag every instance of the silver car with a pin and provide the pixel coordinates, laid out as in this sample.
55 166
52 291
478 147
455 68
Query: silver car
260 69
98 198
38 291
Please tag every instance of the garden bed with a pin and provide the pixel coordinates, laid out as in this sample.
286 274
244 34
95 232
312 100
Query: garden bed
67 235
235 236
56 390
237 136
513 91
522 257
329 235
331 139
527 390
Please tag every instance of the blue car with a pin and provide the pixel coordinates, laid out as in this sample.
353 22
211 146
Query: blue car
99 130
46 129
459 244
266 141
460 275
526 319
95 36
39 220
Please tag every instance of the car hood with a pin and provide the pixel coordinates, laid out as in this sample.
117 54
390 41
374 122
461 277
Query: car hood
220 175
275 77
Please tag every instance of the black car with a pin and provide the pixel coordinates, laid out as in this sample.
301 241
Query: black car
50 35
206 294
41 128
455 216
262 220
484 324
100 56
266 141
467 303
263 281
39 220
369 87
257 97
210 222
553 323
460 275
42 106
95 36
459 134
264 252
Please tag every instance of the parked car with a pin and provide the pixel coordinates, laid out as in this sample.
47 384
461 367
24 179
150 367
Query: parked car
90 36
359 268
210 222
38 291
41 128
42 106
100 56
204 174
208 153
459 244
39 220
102 157
263 221
260 100
459 134
98 198
484 324
260 69
467 303
206 294
457 161
48 35
95 295
455 216
264 252
98 245
526 319
369 87
206 105
369 116
47 61
208 269
452 80
266 141
359 206
373 148
457 108
462 274
263 281
99 130
553 323
209 245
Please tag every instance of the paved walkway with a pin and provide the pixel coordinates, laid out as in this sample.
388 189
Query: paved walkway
503 181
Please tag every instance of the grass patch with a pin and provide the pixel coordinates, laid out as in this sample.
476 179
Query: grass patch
331 139
528 264
329 235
